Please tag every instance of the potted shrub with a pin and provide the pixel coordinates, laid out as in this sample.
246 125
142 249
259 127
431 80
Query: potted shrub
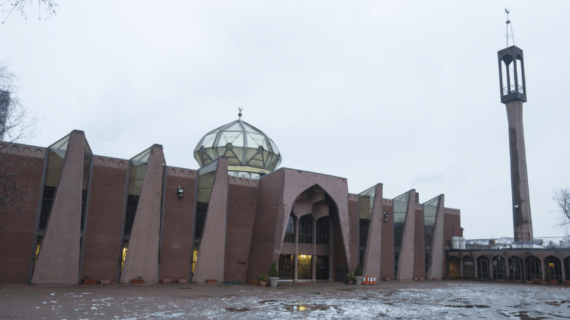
350 278
138 280
358 275
263 280
87 281
273 275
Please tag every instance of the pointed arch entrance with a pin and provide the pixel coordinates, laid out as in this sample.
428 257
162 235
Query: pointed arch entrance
309 242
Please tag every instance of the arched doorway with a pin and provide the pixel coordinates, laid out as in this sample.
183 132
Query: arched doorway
483 268
468 267
499 268
516 269
533 269
553 269
454 271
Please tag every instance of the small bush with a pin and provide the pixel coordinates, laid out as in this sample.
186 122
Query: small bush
263 277
350 277
358 272
273 273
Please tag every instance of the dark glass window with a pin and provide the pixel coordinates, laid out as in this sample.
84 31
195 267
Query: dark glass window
49 194
306 229
290 232
201 210
132 202
323 231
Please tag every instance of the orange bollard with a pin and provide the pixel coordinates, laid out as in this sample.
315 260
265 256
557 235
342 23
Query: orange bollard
374 280
365 280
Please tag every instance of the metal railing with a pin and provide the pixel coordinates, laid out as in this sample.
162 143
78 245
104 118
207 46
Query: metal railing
508 243
513 89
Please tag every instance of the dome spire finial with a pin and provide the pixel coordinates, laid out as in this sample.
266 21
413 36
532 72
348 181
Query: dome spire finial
239 114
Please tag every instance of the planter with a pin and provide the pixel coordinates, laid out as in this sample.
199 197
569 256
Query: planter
543 282
567 282
537 281
105 282
274 281
529 282
90 281
263 283
553 281
166 280
350 281
182 280
137 281
358 280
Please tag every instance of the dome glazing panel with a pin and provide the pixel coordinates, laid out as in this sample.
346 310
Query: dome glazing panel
248 148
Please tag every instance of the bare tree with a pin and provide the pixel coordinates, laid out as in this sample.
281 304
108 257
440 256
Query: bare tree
47 7
562 200
15 126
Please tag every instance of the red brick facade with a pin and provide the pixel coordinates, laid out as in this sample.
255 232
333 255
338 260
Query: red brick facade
18 215
101 251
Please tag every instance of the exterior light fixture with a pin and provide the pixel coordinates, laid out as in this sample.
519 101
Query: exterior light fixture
386 215
516 206
385 219
180 191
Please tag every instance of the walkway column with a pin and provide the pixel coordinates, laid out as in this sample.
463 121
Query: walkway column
476 267
543 269
524 269
491 269
562 268
507 269
461 276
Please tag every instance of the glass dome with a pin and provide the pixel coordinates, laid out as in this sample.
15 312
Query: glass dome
251 153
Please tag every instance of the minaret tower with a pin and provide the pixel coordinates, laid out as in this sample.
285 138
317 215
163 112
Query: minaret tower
513 94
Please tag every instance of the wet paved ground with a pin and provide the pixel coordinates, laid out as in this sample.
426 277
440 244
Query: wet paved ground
323 300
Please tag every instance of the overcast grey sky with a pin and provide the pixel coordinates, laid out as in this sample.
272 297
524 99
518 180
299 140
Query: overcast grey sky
402 93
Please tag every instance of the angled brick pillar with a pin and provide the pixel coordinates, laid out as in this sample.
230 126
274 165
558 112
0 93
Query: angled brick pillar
437 258
406 260
210 264
374 243
142 254
58 261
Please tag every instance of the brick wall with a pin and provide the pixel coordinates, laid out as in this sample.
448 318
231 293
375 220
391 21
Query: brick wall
102 252
387 255
242 203
419 257
18 216
178 225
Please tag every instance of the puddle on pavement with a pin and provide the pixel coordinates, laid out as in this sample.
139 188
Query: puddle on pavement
237 309
311 307
469 306
347 289
270 302
523 315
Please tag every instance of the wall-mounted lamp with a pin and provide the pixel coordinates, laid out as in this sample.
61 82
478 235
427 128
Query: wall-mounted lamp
516 206
385 219
386 215
180 191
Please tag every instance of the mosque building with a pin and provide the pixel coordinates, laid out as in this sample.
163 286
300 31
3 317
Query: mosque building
77 214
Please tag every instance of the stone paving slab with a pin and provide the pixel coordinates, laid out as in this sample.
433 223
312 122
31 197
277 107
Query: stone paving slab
322 300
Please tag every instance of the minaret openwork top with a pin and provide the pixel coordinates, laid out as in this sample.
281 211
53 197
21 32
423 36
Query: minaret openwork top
513 94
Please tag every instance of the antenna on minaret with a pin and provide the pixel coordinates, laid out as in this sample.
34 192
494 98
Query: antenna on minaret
509 35
239 114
